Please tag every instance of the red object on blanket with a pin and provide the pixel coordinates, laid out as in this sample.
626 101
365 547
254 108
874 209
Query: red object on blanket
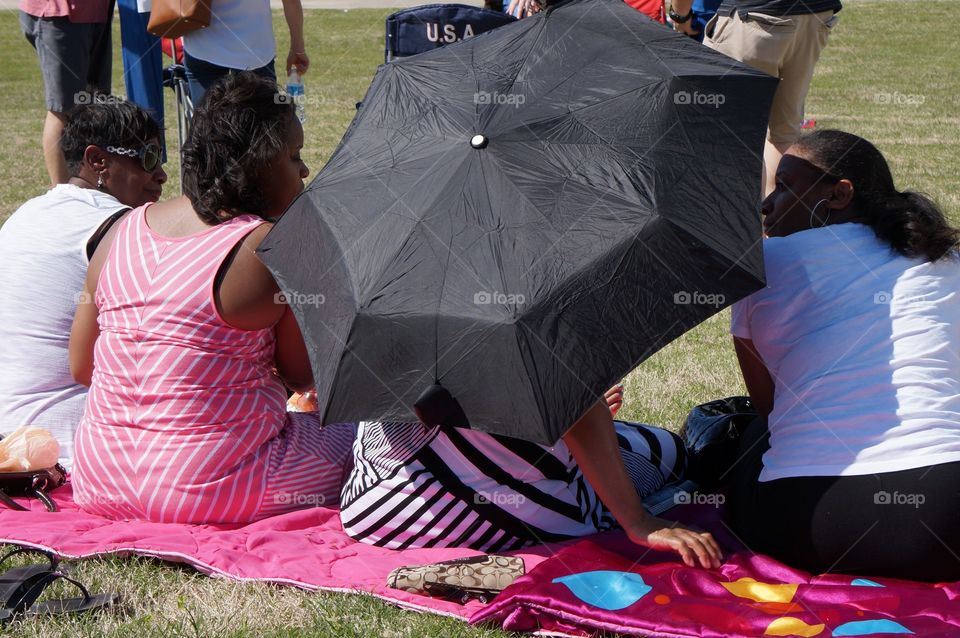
653 8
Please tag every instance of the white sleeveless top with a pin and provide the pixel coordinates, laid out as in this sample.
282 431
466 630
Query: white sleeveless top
44 266
240 35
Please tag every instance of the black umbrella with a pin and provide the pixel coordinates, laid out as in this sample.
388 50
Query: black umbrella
518 220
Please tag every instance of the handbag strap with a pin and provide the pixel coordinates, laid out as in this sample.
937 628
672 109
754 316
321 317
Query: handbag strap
9 502
46 500
42 496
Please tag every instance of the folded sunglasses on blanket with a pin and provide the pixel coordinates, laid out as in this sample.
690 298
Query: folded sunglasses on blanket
459 580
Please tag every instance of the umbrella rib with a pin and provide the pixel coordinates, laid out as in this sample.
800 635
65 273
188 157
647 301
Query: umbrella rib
665 133
602 189
523 64
436 318
594 105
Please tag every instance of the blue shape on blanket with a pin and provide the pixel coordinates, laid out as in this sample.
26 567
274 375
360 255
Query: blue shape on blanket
863 582
868 627
610 590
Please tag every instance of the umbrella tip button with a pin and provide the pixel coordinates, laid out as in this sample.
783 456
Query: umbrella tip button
479 141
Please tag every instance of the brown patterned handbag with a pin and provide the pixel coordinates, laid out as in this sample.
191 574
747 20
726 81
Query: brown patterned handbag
459 580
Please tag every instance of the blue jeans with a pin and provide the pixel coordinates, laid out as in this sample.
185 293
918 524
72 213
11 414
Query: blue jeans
202 74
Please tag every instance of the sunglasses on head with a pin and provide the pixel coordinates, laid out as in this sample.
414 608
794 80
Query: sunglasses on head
149 155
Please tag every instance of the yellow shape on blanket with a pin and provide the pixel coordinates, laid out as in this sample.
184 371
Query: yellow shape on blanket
761 592
792 627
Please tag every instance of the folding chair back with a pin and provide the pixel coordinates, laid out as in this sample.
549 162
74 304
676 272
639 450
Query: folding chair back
430 26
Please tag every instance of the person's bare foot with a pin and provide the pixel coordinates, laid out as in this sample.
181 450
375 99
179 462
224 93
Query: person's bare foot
614 397
302 402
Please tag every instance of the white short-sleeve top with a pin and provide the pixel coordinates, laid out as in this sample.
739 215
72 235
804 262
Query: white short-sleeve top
240 35
863 346
43 247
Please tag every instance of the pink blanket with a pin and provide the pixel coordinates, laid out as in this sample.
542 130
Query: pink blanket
599 583
606 583
307 549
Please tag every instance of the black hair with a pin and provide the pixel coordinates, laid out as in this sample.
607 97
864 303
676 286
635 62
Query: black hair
909 221
108 122
238 129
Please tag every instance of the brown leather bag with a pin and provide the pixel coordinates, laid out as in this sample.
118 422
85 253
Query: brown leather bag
173 18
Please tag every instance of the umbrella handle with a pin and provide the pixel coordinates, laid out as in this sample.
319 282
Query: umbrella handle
436 406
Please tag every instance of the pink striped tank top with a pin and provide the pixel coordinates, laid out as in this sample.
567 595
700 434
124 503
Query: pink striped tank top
184 410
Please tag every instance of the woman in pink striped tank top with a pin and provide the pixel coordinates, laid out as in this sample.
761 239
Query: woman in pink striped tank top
188 344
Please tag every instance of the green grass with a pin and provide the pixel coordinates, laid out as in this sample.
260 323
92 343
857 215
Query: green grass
905 50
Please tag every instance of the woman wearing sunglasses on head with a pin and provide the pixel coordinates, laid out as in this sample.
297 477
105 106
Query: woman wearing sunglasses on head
188 343
46 245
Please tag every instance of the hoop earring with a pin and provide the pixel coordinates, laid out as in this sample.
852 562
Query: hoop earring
813 214
100 180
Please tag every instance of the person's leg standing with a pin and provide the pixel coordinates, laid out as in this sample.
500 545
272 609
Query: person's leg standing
762 42
63 49
100 68
796 73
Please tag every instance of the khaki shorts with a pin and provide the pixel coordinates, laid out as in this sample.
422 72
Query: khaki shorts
786 47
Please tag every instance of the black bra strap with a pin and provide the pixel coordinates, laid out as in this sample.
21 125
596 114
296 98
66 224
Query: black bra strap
97 236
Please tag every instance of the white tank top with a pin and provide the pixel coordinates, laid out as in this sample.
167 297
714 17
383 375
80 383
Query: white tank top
240 35
44 266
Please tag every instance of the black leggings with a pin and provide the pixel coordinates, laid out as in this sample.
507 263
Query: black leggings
897 524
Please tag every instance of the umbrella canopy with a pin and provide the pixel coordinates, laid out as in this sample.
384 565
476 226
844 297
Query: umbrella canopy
522 218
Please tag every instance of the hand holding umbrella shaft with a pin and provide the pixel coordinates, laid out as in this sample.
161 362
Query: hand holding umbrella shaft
593 443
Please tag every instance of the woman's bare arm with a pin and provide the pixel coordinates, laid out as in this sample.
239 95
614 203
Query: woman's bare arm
593 443
755 375
86 326
249 299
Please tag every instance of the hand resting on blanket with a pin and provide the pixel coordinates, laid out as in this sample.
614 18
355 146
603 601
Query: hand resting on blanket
593 443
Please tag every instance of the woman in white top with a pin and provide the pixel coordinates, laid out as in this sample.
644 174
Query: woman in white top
113 154
240 38
852 357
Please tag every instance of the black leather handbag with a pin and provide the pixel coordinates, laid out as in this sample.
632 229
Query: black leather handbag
34 483
711 435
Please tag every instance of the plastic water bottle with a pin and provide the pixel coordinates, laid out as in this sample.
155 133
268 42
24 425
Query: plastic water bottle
295 91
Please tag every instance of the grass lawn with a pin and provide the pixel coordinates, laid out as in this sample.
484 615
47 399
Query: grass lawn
891 74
